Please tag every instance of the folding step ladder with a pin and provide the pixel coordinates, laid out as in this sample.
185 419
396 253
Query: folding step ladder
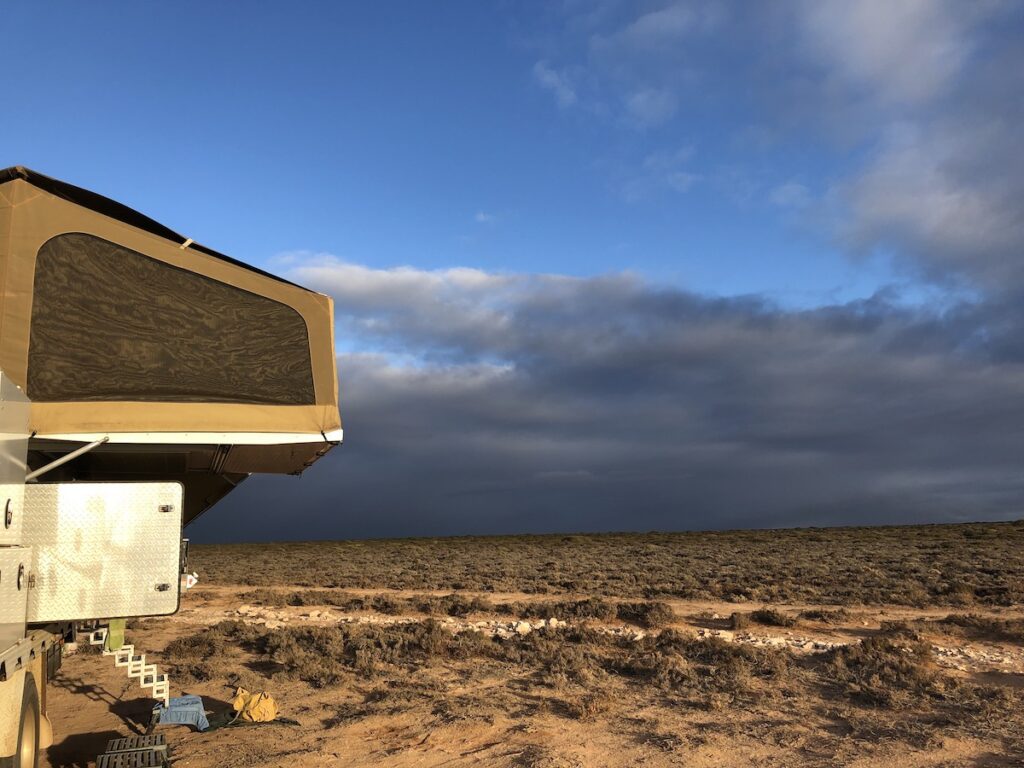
136 666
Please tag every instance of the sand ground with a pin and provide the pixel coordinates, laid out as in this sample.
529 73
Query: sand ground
91 701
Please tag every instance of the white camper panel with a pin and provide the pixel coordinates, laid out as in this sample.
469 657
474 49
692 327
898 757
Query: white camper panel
14 412
14 572
103 550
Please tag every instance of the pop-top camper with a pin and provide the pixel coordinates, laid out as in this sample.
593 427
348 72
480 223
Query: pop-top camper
142 377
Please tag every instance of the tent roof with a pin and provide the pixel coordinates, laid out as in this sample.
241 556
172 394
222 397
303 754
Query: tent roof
118 211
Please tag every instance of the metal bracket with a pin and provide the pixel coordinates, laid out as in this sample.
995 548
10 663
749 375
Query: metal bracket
65 458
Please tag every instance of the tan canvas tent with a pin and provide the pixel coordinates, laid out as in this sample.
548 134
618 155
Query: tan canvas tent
193 365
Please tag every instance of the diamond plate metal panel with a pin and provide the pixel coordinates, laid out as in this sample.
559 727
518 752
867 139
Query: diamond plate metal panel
13 600
14 407
103 550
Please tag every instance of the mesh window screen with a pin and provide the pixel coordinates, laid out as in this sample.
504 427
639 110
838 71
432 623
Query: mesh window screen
112 324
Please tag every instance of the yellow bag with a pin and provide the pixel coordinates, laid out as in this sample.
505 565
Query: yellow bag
254 707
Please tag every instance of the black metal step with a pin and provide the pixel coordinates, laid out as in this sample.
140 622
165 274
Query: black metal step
149 751
129 743
138 758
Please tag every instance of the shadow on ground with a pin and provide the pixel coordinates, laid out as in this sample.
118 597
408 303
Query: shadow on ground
80 750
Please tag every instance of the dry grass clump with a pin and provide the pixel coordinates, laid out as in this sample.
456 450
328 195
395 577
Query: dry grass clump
772 618
705 673
769 617
446 605
649 614
882 670
268 597
954 565
201 656
322 655
968 626
836 616
903 697
390 606
193 656
594 608
273 598
453 605
738 620
652 615
335 598
587 706
984 627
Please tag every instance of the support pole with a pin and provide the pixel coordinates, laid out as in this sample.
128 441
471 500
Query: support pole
65 459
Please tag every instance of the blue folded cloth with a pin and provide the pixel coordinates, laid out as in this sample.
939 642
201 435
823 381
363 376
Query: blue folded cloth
182 710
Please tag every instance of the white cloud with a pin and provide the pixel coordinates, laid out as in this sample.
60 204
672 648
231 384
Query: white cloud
661 170
485 218
555 81
681 181
905 51
667 160
662 30
947 197
665 26
738 183
790 195
407 287
651 106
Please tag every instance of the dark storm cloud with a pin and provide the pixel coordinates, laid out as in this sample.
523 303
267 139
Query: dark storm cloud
540 403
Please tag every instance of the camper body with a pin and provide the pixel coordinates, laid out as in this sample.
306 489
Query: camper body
142 377
23 654
70 552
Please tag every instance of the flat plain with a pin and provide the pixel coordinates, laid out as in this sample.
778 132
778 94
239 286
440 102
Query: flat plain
900 646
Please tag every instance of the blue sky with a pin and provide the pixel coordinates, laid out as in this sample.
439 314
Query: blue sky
597 264
427 135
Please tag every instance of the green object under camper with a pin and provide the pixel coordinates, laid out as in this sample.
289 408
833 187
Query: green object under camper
115 635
